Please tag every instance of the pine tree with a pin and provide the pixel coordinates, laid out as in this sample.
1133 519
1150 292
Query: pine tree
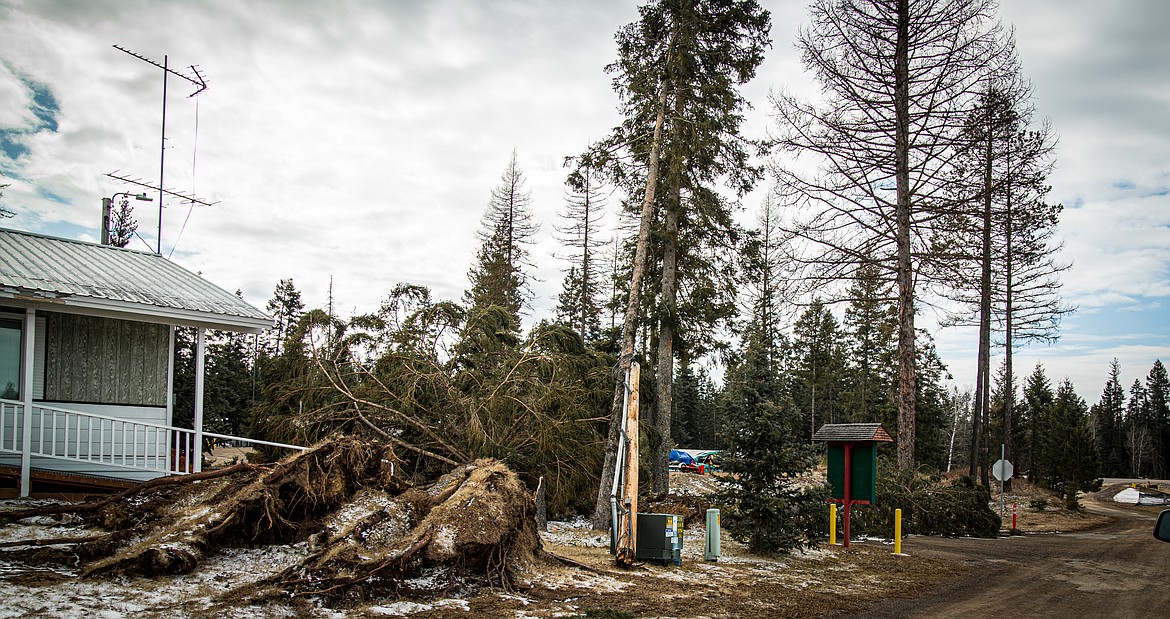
1158 394
123 226
677 74
506 231
228 396
5 212
1107 416
870 324
1001 232
1070 459
767 450
1037 404
685 422
286 308
932 412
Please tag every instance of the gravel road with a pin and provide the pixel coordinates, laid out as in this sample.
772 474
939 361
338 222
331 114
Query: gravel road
1117 570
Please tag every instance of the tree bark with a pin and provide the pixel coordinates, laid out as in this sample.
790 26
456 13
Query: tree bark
601 513
907 377
1010 388
666 322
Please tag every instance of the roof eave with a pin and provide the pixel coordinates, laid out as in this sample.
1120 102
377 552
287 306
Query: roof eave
150 313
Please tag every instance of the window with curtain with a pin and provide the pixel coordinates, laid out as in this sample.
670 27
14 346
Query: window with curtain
9 359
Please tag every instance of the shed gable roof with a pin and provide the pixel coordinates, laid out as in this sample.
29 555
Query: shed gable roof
853 432
101 277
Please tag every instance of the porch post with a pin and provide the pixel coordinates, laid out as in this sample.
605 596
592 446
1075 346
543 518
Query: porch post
171 380
26 394
197 452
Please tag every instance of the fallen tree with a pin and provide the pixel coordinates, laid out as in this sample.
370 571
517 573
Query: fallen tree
367 529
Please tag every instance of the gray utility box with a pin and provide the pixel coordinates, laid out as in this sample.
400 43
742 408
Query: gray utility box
660 538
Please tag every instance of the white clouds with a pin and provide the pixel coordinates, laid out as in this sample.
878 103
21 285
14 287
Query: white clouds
361 140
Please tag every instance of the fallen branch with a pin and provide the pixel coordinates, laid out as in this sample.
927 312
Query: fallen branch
572 563
51 541
401 443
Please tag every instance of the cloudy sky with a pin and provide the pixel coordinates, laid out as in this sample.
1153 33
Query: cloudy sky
358 141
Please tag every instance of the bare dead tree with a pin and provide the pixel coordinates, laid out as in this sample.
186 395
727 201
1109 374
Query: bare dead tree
1004 270
897 77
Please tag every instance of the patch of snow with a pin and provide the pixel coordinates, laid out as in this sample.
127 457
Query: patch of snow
576 532
1129 496
404 608
1134 496
443 542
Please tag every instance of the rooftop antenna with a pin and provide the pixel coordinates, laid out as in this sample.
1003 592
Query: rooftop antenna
201 85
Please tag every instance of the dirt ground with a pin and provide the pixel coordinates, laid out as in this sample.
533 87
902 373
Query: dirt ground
1103 562
1113 569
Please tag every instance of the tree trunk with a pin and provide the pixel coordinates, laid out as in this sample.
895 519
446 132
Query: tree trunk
1010 391
601 512
985 301
977 416
666 322
907 388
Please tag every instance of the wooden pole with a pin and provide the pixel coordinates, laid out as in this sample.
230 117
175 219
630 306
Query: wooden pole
628 521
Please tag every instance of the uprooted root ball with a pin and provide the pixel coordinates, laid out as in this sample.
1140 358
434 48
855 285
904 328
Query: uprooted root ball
368 531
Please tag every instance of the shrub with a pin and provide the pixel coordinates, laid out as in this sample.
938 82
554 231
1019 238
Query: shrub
929 506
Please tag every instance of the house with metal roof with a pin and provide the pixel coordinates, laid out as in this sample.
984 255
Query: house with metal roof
87 337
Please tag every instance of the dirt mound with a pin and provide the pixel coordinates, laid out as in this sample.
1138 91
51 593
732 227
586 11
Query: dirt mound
367 529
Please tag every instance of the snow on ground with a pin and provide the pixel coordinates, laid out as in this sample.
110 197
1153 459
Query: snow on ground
1130 496
1133 496
35 591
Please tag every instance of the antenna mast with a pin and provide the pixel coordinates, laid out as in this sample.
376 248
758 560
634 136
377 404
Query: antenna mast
201 85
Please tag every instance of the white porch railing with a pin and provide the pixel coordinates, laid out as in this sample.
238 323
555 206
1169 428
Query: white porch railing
76 436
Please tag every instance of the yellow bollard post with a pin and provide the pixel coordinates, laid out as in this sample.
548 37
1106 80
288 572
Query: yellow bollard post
897 531
833 524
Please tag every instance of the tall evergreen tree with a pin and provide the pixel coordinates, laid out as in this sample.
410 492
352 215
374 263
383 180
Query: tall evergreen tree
1069 459
1158 394
123 226
5 212
286 308
1037 404
506 232
1107 416
228 392
1001 232
932 414
870 323
767 450
677 75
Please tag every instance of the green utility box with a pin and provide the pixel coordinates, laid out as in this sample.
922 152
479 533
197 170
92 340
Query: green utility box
660 538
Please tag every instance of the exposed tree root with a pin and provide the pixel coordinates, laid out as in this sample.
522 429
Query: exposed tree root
258 505
93 506
368 531
478 520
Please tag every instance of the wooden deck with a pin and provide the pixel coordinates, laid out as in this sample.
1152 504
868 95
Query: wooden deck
57 485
